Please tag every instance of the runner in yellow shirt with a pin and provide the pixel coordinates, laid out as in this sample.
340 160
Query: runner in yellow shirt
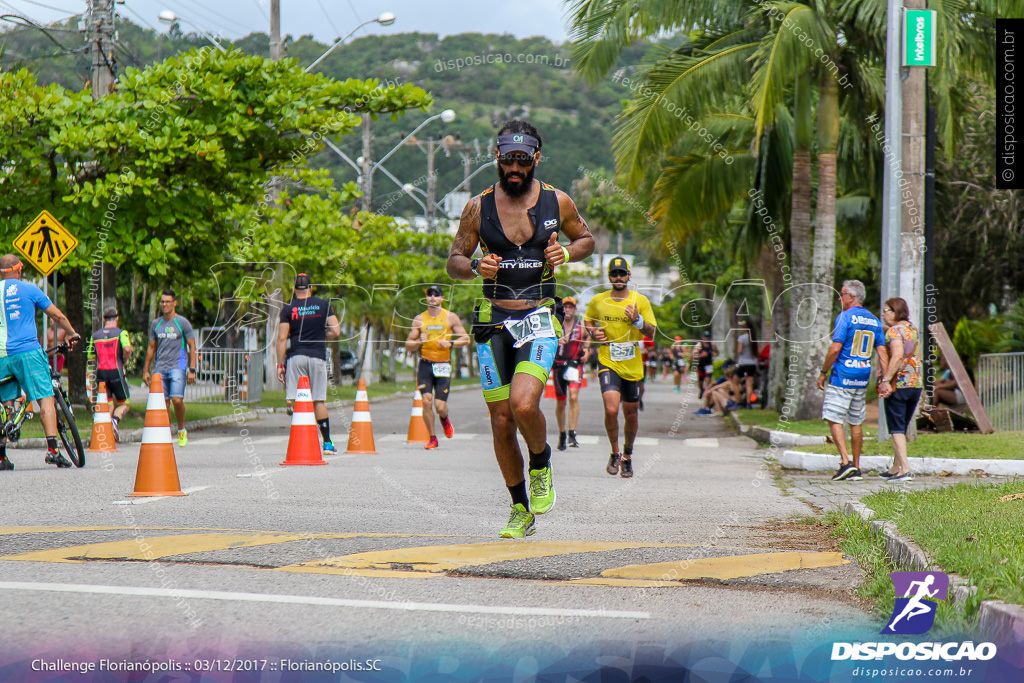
618 320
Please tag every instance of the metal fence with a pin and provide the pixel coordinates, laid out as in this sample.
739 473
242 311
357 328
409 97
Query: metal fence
1000 378
227 376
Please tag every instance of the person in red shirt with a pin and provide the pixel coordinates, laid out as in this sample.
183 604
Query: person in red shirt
573 349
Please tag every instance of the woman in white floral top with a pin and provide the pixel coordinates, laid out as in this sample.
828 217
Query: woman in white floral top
901 384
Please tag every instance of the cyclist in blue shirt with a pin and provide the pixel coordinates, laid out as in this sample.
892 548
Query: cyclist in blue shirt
857 335
21 355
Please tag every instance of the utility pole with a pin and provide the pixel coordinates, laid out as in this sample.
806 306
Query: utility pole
101 41
101 47
275 30
366 177
275 302
431 146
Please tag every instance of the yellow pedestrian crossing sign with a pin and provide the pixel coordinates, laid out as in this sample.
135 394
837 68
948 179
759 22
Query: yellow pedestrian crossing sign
45 243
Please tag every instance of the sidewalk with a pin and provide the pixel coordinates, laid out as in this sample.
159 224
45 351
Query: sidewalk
819 462
818 490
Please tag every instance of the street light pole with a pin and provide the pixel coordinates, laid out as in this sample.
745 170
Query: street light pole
169 17
384 19
893 165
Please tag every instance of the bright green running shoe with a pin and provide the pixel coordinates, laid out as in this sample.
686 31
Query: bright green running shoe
520 523
542 491
182 438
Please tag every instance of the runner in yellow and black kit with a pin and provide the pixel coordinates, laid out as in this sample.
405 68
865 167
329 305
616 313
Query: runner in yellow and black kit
516 224
618 320
432 334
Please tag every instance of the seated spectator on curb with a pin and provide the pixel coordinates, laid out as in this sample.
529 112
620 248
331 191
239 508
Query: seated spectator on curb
724 394
945 390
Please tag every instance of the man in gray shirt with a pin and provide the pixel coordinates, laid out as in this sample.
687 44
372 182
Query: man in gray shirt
173 342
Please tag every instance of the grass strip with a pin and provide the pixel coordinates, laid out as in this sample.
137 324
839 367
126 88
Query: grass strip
973 530
997 446
769 419
858 540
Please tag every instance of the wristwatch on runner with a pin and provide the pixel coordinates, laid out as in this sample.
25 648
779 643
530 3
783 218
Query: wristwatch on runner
473 265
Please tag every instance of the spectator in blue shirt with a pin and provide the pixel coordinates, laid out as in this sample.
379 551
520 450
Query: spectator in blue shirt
847 367
22 356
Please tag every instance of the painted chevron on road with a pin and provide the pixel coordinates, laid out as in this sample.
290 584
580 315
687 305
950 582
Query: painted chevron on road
425 561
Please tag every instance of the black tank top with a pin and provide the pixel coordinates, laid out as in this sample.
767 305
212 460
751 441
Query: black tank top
523 273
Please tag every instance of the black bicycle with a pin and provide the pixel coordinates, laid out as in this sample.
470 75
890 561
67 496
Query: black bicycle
68 438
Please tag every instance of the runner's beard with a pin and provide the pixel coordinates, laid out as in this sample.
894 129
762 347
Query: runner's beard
620 286
517 189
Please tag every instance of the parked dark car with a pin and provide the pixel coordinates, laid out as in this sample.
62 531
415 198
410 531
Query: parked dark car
348 364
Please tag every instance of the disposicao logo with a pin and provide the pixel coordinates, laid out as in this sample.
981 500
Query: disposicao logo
916 595
913 614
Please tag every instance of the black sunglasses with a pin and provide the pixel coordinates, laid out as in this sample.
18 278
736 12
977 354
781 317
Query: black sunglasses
523 159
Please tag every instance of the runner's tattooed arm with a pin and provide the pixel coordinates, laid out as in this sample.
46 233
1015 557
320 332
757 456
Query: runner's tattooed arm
464 244
575 228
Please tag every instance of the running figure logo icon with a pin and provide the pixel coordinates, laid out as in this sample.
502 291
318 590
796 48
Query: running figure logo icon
916 595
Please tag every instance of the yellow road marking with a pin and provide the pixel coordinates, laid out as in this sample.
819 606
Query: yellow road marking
734 567
618 583
316 567
424 561
149 548
9 530
442 558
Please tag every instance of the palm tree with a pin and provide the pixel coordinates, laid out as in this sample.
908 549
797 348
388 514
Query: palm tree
774 53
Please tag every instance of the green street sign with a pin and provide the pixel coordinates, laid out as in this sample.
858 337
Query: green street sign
919 37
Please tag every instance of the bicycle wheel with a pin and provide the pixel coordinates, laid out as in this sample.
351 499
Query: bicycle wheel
67 430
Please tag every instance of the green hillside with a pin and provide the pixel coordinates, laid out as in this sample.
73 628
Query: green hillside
486 79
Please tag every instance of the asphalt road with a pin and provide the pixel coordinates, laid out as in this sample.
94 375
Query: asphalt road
395 556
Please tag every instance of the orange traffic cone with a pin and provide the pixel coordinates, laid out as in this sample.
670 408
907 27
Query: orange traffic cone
417 428
549 388
157 474
303 441
102 440
360 434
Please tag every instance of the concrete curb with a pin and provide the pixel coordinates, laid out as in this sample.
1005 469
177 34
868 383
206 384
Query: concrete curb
135 435
1001 621
821 462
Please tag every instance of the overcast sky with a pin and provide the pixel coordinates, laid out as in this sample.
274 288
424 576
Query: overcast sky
327 19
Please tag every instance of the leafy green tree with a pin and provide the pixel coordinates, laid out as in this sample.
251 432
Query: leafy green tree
150 176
